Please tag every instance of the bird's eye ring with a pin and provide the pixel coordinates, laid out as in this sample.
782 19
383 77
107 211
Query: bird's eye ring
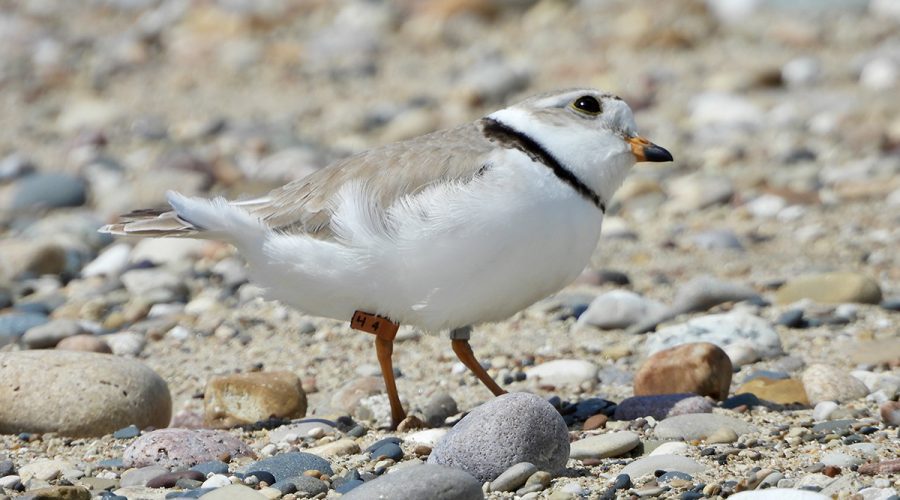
587 104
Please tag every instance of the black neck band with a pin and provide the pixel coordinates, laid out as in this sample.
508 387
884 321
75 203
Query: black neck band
509 137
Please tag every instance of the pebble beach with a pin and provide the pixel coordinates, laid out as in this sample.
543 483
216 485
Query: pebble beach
736 334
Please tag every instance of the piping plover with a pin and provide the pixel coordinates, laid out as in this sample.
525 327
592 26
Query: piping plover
443 231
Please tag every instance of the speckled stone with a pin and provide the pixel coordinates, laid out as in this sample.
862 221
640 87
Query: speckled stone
513 428
182 448
827 383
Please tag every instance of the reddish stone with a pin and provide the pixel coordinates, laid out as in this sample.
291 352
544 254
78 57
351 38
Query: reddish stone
885 467
598 421
701 368
831 471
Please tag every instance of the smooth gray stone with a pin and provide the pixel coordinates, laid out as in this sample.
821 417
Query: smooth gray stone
514 477
513 428
420 482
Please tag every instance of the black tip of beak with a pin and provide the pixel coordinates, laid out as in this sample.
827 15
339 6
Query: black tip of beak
655 153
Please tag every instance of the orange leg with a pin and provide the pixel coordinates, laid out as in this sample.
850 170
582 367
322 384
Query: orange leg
384 347
460 342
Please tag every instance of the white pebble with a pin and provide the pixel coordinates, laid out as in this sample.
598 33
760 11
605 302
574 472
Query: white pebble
823 410
879 74
216 481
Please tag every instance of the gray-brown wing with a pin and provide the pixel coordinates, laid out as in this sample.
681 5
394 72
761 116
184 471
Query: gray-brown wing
391 172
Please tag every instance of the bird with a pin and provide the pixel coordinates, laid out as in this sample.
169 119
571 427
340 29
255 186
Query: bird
443 232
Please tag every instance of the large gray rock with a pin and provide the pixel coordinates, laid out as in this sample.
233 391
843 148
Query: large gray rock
513 428
420 482
79 393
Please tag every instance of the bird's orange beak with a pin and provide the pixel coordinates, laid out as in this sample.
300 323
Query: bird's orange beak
644 150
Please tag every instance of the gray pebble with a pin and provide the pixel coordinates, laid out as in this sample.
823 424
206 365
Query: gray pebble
438 408
211 467
514 477
52 190
420 482
513 428
14 325
141 475
51 333
290 465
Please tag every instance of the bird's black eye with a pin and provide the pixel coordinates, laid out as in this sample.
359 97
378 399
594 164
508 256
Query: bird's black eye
588 104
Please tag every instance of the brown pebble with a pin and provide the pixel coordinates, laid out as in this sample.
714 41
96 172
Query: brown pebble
595 422
411 423
225 457
313 473
168 479
590 462
422 450
831 471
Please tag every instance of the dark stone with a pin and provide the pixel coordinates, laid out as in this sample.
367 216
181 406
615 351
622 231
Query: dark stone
622 482
262 476
438 408
381 442
891 304
188 484
388 450
169 479
744 399
289 465
346 486
309 485
357 431
212 467
7 468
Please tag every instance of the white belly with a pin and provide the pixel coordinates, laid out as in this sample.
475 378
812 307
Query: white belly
451 256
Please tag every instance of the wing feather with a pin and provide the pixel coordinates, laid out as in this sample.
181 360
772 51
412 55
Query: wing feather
390 172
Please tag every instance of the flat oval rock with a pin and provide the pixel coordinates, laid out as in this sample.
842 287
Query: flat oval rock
79 394
699 426
420 482
183 448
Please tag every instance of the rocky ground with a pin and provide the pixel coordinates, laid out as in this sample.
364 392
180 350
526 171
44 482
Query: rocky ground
769 246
